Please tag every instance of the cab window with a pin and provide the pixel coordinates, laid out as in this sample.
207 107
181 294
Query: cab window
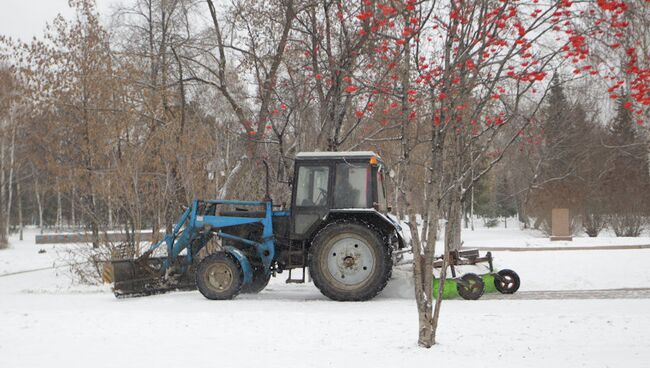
312 186
351 187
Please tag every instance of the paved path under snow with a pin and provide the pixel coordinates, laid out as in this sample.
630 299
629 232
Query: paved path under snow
632 293
568 247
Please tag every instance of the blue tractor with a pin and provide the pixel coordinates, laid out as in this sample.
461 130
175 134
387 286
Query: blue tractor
337 226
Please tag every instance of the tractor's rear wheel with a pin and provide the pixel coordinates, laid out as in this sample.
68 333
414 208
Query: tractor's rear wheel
260 280
219 276
350 261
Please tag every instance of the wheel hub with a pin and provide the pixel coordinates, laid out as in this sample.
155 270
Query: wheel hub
219 276
350 261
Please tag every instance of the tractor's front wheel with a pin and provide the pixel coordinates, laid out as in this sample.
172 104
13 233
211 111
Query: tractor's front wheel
350 262
219 276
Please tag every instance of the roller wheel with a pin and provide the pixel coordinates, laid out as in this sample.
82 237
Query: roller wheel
219 276
349 261
260 280
470 287
508 283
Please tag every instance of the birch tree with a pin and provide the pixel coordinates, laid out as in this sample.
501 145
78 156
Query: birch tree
9 99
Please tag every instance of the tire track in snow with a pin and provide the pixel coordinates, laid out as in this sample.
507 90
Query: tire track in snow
54 267
543 249
628 293
28 271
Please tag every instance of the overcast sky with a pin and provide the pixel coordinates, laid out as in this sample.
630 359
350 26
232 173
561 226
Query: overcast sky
25 19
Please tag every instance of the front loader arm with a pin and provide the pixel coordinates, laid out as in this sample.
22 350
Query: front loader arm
169 238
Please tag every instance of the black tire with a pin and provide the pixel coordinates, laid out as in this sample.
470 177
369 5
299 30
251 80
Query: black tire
260 280
471 286
509 282
219 276
362 255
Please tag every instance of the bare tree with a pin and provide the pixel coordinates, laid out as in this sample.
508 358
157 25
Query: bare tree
9 123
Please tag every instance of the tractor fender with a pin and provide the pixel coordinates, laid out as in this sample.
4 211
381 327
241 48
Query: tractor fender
371 214
403 236
246 268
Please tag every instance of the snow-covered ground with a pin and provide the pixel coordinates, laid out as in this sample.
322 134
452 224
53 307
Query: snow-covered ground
46 321
508 234
514 237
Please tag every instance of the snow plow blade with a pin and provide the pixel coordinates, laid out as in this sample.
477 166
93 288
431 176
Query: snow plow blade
147 276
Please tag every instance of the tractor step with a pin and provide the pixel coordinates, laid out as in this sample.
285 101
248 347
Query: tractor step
297 258
300 280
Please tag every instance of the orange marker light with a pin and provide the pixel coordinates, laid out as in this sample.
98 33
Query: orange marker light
373 160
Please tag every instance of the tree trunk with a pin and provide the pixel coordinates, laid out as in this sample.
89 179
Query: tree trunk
110 212
424 257
471 208
423 251
94 221
398 182
73 219
59 208
12 152
465 218
454 221
455 195
3 232
441 290
19 197
39 203
223 193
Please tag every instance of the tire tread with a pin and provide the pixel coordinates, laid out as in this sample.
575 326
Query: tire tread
375 287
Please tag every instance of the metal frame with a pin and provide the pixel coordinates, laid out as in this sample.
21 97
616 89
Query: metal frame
180 240
468 257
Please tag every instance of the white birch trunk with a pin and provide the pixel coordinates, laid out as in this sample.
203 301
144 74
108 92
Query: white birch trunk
39 203
223 193
19 197
3 232
12 151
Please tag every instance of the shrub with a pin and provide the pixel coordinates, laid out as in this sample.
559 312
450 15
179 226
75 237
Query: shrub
593 224
491 222
627 224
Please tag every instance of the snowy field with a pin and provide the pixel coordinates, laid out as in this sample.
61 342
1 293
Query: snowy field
46 321
500 237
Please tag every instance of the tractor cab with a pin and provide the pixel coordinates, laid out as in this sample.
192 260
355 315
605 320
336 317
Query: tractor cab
328 185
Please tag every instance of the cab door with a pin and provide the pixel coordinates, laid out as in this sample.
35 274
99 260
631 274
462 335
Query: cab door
311 198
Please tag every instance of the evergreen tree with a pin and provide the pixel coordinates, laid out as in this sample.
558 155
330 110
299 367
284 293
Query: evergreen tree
626 180
621 128
563 153
555 113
